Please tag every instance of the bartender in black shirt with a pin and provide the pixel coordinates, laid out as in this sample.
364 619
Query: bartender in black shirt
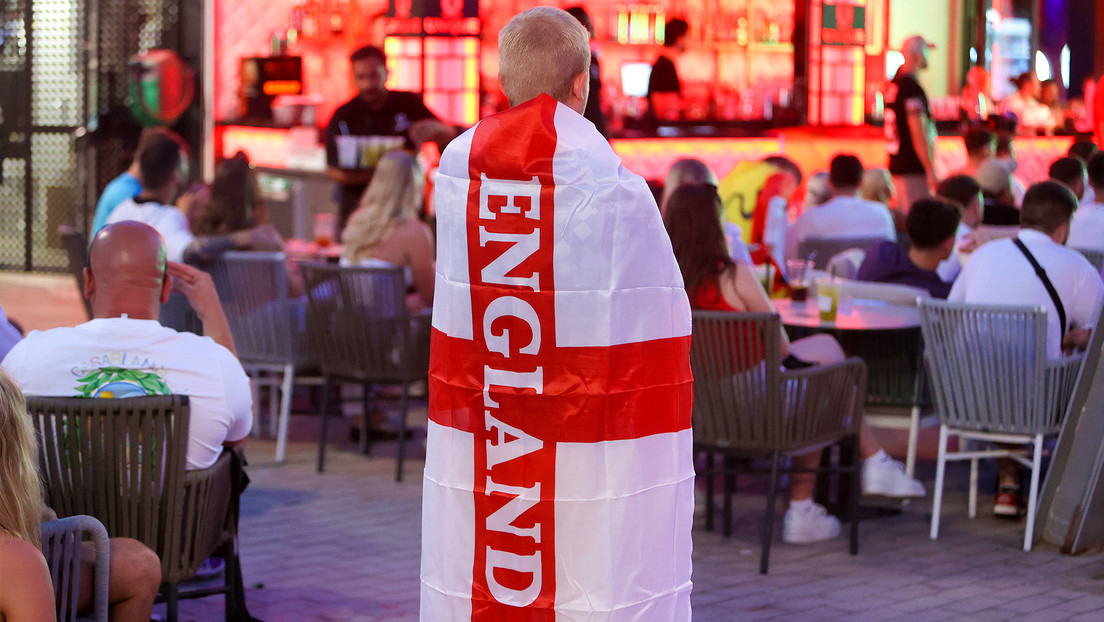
664 88
375 111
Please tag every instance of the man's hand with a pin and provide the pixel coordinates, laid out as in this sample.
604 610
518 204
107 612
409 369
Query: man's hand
1076 340
199 289
430 129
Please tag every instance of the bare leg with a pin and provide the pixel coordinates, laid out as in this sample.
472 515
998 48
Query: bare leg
820 348
135 576
802 484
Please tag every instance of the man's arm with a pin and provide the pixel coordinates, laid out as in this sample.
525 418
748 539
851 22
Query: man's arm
349 176
919 127
199 289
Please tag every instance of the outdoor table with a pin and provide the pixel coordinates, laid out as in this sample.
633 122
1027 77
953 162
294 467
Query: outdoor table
887 337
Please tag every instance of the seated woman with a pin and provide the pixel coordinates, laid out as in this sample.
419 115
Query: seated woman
234 218
714 281
385 229
26 591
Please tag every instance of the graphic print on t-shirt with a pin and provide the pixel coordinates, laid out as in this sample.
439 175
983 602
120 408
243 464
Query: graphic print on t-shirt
94 379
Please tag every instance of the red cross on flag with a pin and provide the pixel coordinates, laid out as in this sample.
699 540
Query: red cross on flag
559 480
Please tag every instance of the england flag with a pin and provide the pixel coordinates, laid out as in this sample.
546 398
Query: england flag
559 479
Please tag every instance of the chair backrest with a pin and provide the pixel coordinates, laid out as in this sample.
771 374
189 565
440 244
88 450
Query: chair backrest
845 264
827 248
1094 255
358 325
890 293
177 313
988 367
76 250
742 398
61 540
267 325
119 460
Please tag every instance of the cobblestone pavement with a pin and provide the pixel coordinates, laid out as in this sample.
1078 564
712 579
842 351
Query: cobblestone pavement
345 545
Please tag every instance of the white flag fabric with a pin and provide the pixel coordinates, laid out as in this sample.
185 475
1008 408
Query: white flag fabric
559 476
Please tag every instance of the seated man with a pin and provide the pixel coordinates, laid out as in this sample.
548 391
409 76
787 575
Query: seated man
1070 171
1001 272
931 226
981 144
160 171
996 188
963 192
127 280
846 215
1087 228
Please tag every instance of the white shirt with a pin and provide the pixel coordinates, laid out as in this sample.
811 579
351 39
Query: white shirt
998 273
170 222
842 217
949 268
86 360
1087 227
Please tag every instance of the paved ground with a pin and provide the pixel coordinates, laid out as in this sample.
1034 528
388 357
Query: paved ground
345 545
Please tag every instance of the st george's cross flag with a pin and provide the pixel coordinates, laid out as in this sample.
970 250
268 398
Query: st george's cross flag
559 471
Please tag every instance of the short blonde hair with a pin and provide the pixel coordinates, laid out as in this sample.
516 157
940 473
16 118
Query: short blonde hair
394 195
542 50
20 484
685 171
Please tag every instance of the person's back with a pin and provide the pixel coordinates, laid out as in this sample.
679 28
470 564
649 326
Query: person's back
1087 228
931 225
124 352
125 186
552 257
846 215
1000 273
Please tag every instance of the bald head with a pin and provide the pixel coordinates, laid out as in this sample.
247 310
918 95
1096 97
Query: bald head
126 271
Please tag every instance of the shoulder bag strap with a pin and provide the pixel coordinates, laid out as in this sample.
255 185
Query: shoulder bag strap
1046 283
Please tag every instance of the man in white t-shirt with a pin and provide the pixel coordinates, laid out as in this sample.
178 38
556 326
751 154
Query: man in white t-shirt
159 165
1000 273
846 215
124 352
1087 228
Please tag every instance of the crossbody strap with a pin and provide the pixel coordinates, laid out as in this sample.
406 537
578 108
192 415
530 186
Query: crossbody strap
1046 283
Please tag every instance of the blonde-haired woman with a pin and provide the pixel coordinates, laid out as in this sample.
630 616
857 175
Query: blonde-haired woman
26 591
385 229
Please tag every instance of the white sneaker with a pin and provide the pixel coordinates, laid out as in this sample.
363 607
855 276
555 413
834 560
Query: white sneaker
882 475
808 522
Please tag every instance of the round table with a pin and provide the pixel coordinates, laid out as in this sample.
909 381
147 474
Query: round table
853 315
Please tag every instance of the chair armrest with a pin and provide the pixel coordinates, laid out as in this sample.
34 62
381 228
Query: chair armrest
823 403
206 503
1061 379
61 540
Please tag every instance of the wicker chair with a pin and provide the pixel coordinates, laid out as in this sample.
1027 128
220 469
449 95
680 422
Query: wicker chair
992 382
362 333
268 329
61 539
122 461
745 404
827 248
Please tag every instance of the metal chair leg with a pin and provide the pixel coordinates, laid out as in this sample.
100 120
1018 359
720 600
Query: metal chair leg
940 471
856 462
1033 494
325 417
171 601
768 520
728 479
285 412
710 482
404 404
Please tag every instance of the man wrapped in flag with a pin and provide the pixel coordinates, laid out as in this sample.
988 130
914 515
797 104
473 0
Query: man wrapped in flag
559 470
